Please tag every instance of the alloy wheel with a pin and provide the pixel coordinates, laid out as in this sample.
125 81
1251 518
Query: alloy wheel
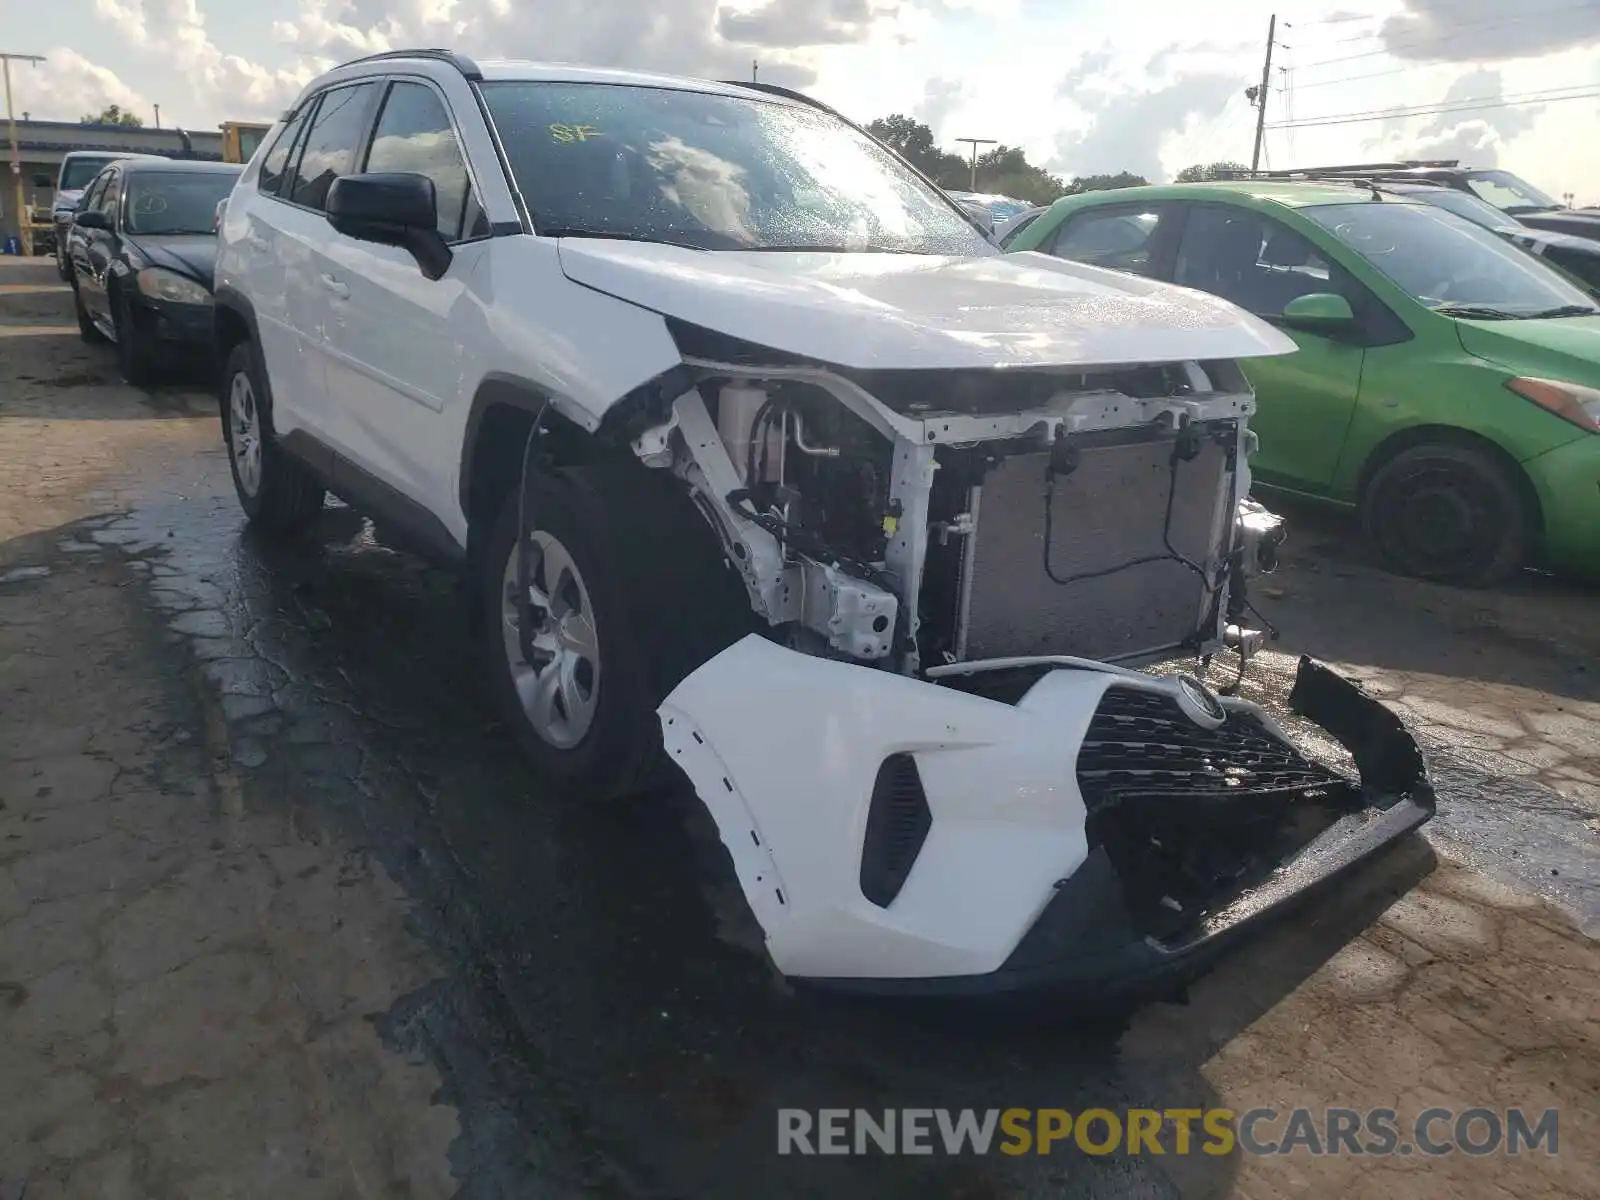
245 433
559 687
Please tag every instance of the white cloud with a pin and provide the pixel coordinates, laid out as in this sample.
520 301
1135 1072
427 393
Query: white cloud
68 86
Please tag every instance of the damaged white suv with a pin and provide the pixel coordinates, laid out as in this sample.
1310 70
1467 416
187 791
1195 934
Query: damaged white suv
763 462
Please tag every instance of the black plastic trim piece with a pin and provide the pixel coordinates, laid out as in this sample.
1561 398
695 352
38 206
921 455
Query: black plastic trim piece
898 821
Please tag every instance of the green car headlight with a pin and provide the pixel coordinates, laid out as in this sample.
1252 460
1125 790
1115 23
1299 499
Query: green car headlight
1569 401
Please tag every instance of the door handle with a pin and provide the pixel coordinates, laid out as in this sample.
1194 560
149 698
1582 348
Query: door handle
338 288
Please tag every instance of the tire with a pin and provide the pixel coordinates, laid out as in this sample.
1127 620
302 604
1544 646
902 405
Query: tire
87 329
133 356
640 597
1450 513
278 494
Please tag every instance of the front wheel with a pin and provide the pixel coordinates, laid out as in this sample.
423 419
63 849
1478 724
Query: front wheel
1448 512
134 359
576 690
87 329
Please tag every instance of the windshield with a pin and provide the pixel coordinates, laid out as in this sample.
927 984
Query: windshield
713 172
174 202
1479 212
1506 191
1448 263
77 172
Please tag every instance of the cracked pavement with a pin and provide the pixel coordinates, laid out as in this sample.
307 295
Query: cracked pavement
281 913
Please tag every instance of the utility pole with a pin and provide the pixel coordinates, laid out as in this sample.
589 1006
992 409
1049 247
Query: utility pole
158 116
1261 96
754 67
23 239
972 184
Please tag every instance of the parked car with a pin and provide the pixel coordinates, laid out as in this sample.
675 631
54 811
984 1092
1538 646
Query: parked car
1578 257
1006 231
1510 193
990 209
78 168
1447 385
707 447
142 248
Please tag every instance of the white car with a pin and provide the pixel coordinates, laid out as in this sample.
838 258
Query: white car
767 468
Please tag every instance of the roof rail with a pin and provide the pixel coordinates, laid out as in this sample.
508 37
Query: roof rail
460 62
1361 168
773 89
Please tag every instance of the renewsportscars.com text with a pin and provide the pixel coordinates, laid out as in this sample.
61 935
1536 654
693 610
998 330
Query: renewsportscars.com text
1178 1131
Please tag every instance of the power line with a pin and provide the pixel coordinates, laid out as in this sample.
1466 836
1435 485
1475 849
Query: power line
1529 97
1403 114
1341 19
1466 29
1459 25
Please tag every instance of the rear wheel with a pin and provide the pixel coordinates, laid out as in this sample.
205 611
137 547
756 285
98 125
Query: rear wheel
277 493
1448 512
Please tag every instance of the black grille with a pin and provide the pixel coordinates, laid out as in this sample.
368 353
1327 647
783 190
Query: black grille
897 824
1140 744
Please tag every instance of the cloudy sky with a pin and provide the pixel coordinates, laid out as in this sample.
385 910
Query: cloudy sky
1085 86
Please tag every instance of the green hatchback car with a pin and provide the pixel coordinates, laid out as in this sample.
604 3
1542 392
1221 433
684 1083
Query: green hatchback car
1447 383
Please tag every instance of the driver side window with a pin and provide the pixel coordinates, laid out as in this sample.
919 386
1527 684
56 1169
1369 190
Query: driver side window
1252 261
111 197
90 200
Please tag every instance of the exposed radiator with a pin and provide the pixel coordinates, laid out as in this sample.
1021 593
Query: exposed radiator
1110 509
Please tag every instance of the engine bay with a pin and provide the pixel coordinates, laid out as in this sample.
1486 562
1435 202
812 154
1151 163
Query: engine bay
1108 519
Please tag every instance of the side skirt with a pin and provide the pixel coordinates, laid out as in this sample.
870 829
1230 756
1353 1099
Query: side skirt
407 525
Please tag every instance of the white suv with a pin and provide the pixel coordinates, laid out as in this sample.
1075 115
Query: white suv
762 461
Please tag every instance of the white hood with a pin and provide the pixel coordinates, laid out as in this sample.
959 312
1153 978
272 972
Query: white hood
874 311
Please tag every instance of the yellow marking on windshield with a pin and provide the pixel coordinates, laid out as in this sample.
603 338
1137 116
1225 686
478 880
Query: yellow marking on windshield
567 134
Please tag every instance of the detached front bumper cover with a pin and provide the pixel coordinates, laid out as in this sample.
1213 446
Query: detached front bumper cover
1085 945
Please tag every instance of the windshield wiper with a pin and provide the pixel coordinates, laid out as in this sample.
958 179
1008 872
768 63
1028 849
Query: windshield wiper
1565 310
823 248
1476 312
613 235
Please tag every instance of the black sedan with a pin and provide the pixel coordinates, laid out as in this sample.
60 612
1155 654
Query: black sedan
143 253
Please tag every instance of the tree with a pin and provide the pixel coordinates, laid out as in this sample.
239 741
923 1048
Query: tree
913 141
1210 172
113 114
1106 183
1007 171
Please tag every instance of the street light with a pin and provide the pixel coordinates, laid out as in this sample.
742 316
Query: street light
23 220
975 143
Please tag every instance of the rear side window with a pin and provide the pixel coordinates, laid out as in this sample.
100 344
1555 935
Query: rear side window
1119 238
276 162
414 134
332 143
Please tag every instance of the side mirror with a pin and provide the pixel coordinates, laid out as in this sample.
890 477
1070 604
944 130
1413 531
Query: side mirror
1320 312
91 218
392 208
